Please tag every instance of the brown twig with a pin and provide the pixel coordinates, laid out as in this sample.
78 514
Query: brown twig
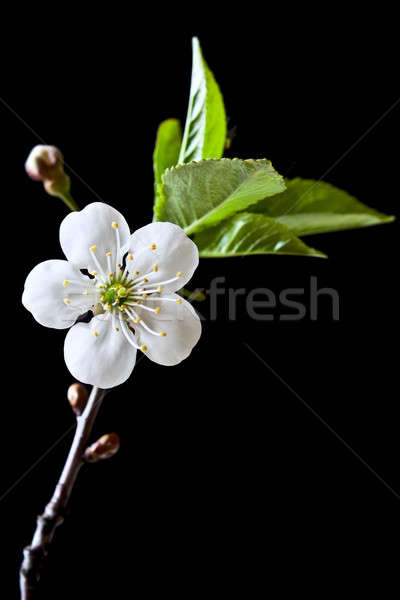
53 514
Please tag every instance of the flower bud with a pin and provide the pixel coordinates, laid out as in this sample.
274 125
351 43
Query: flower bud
46 164
105 447
77 397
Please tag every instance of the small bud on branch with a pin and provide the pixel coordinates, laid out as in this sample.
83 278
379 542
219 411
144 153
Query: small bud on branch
46 164
77 397
105 447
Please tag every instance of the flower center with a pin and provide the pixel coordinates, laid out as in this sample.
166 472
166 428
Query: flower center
115 294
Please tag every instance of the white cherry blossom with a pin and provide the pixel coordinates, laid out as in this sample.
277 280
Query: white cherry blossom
131 293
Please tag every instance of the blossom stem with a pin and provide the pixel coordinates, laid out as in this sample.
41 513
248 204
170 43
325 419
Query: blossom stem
53 514
69 201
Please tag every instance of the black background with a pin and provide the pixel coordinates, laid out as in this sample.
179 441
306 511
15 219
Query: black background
223 473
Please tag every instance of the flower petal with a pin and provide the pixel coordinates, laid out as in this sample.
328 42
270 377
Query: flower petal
89 227
45 294
167 246
97 354
181 324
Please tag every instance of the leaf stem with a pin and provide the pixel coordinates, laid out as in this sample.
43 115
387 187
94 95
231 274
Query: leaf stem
53 514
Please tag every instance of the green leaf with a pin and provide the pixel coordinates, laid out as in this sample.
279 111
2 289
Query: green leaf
166 151
307 207
201 194
247 234
205 128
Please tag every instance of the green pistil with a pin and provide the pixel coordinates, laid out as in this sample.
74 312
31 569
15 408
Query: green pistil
116 291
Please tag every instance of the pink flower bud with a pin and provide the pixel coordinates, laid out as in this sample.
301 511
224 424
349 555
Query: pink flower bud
44 162
105 447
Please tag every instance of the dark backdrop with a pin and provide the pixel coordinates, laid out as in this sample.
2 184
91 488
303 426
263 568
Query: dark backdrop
223 473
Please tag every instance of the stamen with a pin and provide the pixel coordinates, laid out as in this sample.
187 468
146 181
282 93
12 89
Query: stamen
95 334
72 282
109 268
98 265
115 226
135 316
130 258
156 299
67 301
162 283
155 310
153 247
128 334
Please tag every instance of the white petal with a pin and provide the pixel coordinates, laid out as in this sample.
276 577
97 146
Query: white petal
45 293
181 324
89 227
104 360
174 253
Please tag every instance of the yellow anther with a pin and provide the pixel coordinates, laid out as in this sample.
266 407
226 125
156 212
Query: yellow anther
85 293
92 248
138 302
94 273
157 310
163 334
179 274
116 328
110 274
119 265
100 286
155 268
108 254
107 306
137 320
153 247
144 296
179 300
145 280
143 348
103 298
117 300
137 272
159 289
130 257
95 334
67 301
122 307
65 283
115 224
